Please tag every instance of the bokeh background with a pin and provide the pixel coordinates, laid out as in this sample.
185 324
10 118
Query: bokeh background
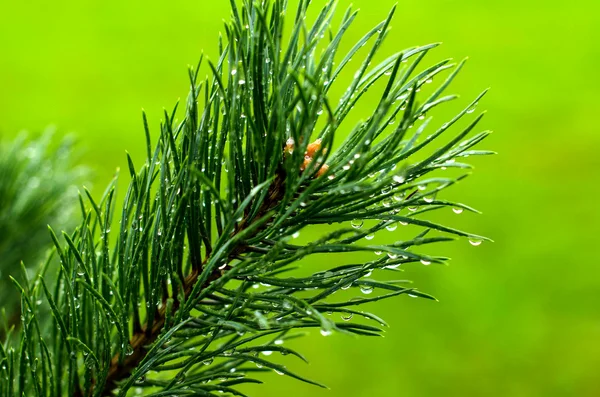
520 317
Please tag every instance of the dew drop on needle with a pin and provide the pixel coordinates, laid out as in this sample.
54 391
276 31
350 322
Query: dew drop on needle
357 223
347 316
366 289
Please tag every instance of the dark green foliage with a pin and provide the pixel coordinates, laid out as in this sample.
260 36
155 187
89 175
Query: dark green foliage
183 289
38 180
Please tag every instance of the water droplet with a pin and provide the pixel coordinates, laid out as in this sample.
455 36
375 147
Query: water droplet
472 108
425 262
347 286
279 342
394 266
366 289
357 223
228 353
399 179
475 243
208 362
347 316
129 350
428 81
242 82
392 121
392 227
387 202
325 332
413 296
398 196
428 199
413 209
386 190
296 235
377 253
457 210
278 372
233 72
422 187
369 236
267 352
391 255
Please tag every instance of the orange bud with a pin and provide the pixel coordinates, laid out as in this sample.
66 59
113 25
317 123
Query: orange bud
323 170
313 148
307 161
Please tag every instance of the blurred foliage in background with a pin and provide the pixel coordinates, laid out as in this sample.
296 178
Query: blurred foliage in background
38 187
516 318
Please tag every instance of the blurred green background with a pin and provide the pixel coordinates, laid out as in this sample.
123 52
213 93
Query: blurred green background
520 317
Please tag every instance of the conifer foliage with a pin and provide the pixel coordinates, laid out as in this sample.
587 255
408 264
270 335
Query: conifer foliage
38 186
189 285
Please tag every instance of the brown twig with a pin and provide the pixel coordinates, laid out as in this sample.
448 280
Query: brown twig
141 340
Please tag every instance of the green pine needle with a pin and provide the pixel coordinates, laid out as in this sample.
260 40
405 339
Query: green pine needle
189 285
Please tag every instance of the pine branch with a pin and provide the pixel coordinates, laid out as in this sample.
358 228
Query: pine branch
145 337
194 277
